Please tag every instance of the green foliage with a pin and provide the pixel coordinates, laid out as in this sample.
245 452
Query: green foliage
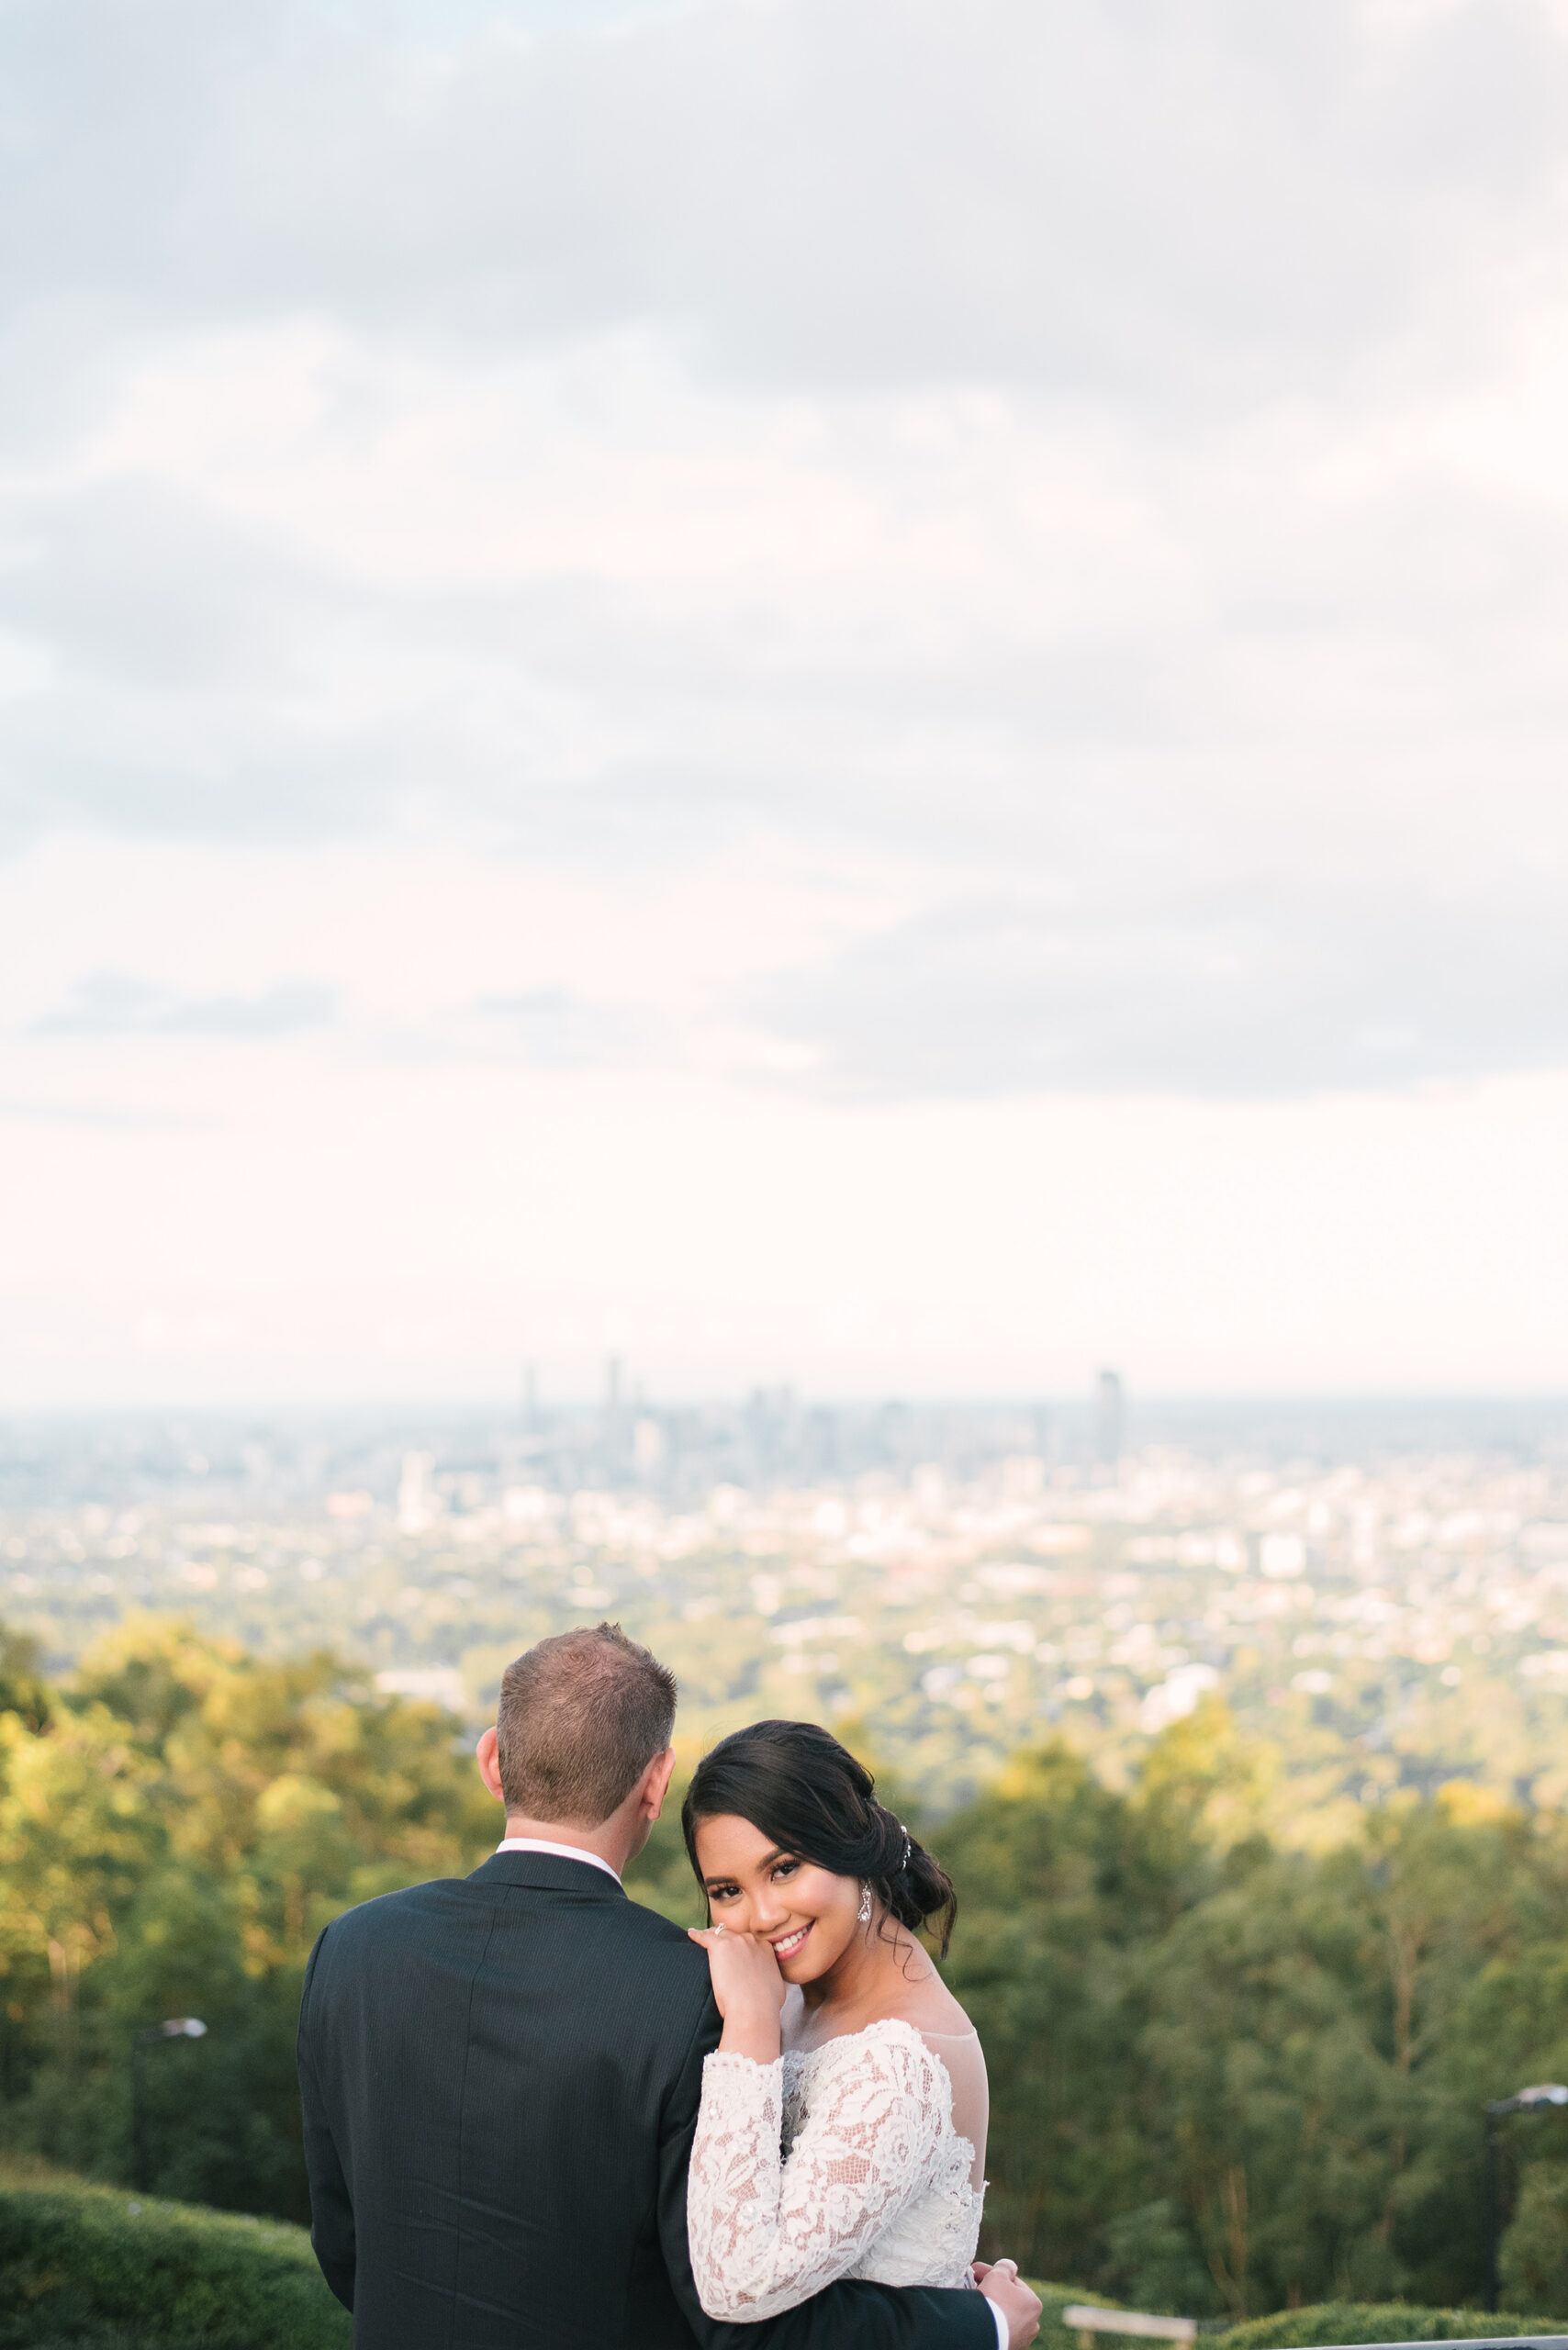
1055 2332
98 2268
1154 2257
1336 2322
175 1828
23 1690
1227 2079
1535 2250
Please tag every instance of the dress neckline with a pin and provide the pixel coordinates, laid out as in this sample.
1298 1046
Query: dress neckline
881 2024
900 2024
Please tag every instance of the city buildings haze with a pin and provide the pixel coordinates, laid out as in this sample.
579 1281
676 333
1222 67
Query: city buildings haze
1378 1593
1108 1420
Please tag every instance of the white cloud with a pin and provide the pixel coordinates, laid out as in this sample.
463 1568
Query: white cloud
117 1003
1212 991
853 563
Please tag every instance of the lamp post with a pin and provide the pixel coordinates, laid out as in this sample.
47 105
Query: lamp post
1529 2101
176 2027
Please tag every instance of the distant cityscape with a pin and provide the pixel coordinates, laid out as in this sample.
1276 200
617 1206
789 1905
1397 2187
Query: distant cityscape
1379 1590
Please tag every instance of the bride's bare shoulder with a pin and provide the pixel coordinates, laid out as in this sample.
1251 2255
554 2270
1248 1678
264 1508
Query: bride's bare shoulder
931 2008
911 1991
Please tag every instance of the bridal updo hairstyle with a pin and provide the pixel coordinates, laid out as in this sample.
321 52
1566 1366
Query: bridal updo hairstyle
796 1784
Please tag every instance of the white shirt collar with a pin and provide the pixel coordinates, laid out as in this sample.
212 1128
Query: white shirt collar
557 1852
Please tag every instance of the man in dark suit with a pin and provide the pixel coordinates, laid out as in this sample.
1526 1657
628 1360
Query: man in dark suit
501 2074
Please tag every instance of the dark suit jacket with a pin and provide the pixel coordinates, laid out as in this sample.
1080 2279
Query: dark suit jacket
500 2078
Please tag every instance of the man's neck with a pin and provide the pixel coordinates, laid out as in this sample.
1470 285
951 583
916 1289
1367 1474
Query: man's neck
608 1842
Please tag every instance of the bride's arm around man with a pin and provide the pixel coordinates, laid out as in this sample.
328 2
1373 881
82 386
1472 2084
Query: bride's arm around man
501 2074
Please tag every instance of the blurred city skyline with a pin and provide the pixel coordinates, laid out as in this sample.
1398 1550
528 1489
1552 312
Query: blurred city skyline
851 694
1376 1589
424 1460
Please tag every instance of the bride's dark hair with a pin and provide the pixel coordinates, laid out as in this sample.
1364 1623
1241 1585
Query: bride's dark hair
795 1782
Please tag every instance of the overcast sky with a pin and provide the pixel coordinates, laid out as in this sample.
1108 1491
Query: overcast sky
825 688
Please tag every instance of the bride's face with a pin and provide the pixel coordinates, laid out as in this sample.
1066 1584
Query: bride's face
807 1913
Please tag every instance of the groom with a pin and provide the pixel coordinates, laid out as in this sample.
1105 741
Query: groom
501 2074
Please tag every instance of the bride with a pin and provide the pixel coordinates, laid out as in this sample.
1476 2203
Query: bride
843 2122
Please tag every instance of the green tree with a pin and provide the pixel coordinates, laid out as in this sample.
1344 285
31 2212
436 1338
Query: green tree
23 1690
1249 2078
175 1828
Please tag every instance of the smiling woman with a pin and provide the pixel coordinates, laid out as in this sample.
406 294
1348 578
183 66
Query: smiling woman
842 2125
792 1785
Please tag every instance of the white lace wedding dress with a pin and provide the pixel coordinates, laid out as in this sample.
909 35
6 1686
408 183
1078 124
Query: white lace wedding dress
840 2160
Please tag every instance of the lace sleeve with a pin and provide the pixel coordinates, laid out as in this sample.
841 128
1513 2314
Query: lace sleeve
766 2234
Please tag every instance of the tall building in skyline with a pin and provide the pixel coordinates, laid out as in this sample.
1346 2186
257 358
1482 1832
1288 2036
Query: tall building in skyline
1108 1411
417 1499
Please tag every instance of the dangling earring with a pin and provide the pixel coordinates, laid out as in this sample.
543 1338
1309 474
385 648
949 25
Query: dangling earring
865 1911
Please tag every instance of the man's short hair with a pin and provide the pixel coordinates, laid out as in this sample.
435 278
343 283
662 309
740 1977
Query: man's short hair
581 1716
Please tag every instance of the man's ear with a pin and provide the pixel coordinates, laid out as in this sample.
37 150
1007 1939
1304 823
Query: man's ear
489 1768
656 1783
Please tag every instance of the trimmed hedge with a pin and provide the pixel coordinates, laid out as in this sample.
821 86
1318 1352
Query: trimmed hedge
1055 2335
1330 2321
1377 2321
96 2268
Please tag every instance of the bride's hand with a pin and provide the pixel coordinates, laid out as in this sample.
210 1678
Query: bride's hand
747 1989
